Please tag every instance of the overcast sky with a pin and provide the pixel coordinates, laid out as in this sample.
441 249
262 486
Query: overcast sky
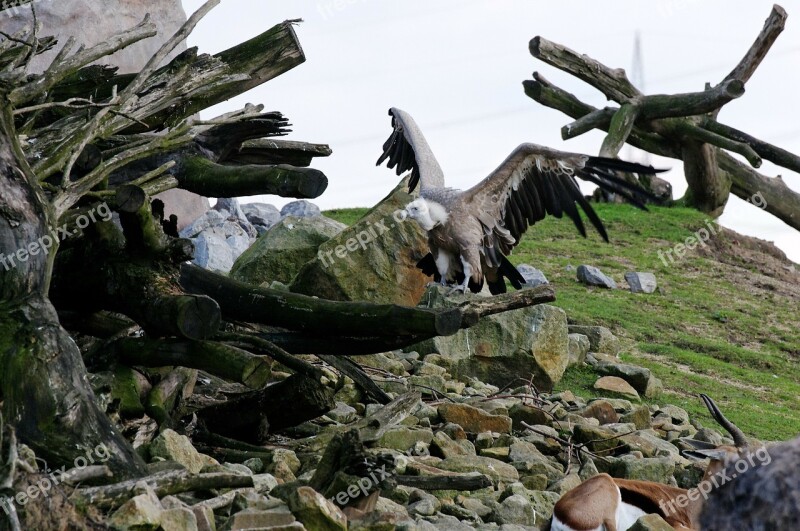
458 65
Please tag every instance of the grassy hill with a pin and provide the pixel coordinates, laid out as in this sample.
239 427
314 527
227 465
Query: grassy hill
725 321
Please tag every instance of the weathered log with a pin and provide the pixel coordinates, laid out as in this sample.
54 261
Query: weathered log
352 370
218 359
469 482
252 417
164 484
204 177
273 151
143 232
334 318
478 308
267 348
165 396
300 343
611 82
773 27
544 92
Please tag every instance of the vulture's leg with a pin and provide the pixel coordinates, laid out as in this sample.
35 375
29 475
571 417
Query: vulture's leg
469 271
443 266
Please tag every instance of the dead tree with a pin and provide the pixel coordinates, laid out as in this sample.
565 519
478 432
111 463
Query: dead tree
64 135
681 126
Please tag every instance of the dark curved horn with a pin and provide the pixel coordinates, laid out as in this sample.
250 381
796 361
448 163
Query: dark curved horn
739 438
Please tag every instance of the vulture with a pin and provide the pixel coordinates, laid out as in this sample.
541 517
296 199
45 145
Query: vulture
471 232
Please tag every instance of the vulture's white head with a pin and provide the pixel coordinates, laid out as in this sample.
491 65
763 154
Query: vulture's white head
428 214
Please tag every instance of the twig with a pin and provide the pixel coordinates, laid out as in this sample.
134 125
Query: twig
72 103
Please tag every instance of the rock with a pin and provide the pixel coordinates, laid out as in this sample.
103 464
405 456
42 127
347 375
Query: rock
601 410
261 214
502 347
260 519
641 282
422 504
497 470
402 438
599 439
178 519
640 378
285 457
674 413
535 481
497 452
515 509
476 506
650 444
444 446
565 484
204 516
316 512
342 413
142 512
373 260
543 503
640 417
578 348
255 464
231 208
281 252
219 238
600 338
474 420
524 451
530 415
300 209
89 23
658 469
172 446
616 386
212 252
592 276
212 218
651 522
533 277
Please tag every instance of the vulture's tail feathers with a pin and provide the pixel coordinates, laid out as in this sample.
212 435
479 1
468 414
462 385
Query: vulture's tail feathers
513 275
428 267
506 271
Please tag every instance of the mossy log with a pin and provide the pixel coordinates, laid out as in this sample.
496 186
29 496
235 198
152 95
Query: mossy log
252 417
207 178
218 359
163 484
293 311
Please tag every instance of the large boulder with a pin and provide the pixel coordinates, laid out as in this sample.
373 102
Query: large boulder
92 22
502 348
373 260
280 253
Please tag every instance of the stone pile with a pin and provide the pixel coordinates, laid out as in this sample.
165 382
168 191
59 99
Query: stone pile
461 425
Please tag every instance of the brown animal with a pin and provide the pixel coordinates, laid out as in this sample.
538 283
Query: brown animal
612 504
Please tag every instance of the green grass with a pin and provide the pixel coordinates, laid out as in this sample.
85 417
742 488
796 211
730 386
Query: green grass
712 328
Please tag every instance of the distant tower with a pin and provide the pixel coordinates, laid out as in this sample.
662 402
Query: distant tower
637 78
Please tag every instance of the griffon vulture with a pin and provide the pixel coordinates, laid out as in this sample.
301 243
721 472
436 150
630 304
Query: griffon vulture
470 232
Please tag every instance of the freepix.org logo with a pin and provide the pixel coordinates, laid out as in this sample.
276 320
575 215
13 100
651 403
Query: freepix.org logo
42 488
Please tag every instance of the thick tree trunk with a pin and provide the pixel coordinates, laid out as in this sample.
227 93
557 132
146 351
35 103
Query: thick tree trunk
43 385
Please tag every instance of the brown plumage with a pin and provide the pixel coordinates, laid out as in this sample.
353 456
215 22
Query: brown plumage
471 232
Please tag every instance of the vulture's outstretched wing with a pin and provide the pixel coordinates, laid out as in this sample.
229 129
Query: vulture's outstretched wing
535 181
407 149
